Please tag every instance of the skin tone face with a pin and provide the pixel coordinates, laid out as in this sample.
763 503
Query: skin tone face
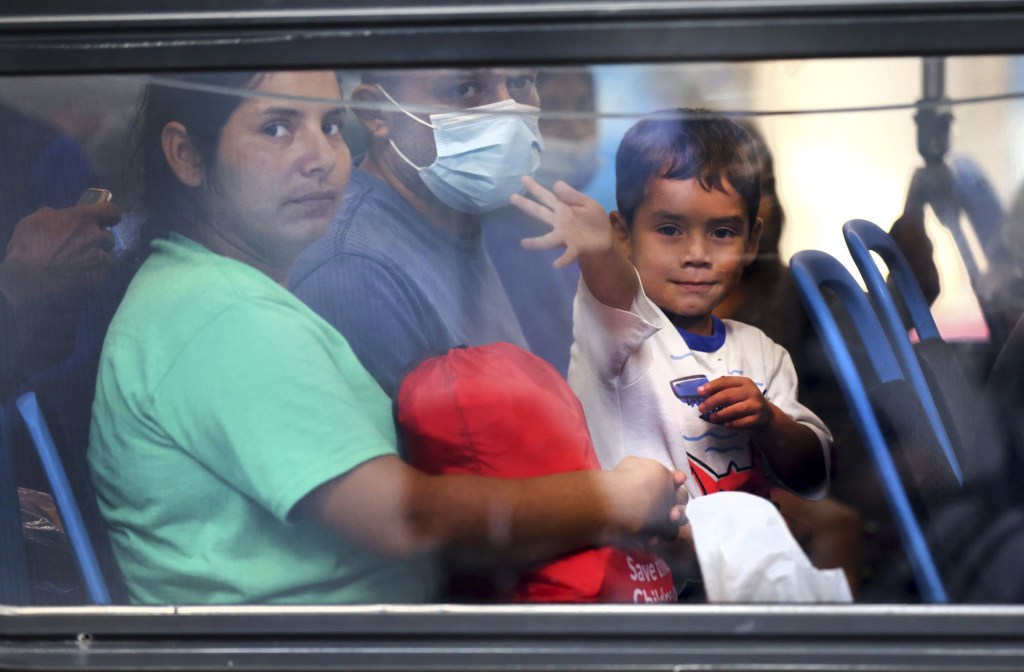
568 92
689 246
452 90
439 90
280 172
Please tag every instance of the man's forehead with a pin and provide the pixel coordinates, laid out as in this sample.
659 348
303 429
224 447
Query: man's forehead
425 78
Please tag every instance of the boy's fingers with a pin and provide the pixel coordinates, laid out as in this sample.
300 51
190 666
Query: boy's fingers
719 400
568 195
533 209
545 242
735 412
719 384
567 258
534 188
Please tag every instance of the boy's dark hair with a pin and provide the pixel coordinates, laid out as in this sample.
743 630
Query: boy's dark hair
682 144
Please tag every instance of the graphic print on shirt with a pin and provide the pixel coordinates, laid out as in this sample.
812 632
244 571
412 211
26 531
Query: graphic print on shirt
721 459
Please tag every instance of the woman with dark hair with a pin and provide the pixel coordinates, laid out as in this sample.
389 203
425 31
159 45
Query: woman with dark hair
240 451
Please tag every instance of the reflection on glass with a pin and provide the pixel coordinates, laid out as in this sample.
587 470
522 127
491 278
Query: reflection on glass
213 459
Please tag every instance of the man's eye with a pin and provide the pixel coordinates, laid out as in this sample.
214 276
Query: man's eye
275 130
331 128
467 90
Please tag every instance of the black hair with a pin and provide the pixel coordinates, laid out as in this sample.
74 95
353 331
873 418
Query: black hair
166 203
683 144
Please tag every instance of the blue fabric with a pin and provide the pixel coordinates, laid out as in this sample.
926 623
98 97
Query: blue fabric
38 167
541 294
705 343
397 287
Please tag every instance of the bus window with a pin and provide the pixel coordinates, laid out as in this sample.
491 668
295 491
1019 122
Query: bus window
439 347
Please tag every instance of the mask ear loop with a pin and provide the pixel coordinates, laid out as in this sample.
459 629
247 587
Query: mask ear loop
406 112
403 110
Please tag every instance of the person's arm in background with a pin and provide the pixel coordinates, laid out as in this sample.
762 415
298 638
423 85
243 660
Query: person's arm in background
53 257
909 234
581 226
396 510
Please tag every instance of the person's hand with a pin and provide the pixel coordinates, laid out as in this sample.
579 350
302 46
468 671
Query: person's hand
57 253
647 499
735 402
578 223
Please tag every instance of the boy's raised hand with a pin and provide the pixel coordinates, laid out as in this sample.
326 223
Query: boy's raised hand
577 222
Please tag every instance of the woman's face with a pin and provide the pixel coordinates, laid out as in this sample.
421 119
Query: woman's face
280 172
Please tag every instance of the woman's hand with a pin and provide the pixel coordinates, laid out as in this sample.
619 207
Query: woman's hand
647 499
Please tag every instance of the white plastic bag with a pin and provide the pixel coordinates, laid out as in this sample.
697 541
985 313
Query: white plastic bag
747 554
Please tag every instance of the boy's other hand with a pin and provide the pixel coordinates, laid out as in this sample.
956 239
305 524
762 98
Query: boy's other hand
735 402
578 223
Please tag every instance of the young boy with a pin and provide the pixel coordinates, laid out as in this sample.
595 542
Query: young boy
657 373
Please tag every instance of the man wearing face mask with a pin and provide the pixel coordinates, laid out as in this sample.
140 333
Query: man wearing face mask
402 272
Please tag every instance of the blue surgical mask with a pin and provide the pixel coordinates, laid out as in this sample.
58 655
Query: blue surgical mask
482 154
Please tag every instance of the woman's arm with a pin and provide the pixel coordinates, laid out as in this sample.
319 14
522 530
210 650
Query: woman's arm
397 510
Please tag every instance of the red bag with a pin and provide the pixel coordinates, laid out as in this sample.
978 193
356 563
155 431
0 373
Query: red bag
498 410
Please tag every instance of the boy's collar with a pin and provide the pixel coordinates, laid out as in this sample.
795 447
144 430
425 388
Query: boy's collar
702 343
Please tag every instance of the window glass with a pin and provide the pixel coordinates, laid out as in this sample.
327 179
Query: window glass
240 282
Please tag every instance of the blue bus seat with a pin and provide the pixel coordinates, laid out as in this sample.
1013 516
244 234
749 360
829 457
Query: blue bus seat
947 395
13 568
64 394
911 463
67 503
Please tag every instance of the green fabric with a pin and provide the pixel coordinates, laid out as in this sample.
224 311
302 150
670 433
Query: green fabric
221 402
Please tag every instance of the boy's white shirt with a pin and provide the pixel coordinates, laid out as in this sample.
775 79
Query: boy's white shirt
621 366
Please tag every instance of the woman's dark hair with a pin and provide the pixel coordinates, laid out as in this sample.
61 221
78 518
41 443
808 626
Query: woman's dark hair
684 144
192 101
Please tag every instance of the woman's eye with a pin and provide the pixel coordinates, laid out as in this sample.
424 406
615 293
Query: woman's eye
331 128
275 130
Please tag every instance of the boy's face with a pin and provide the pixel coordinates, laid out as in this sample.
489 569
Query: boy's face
689 246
